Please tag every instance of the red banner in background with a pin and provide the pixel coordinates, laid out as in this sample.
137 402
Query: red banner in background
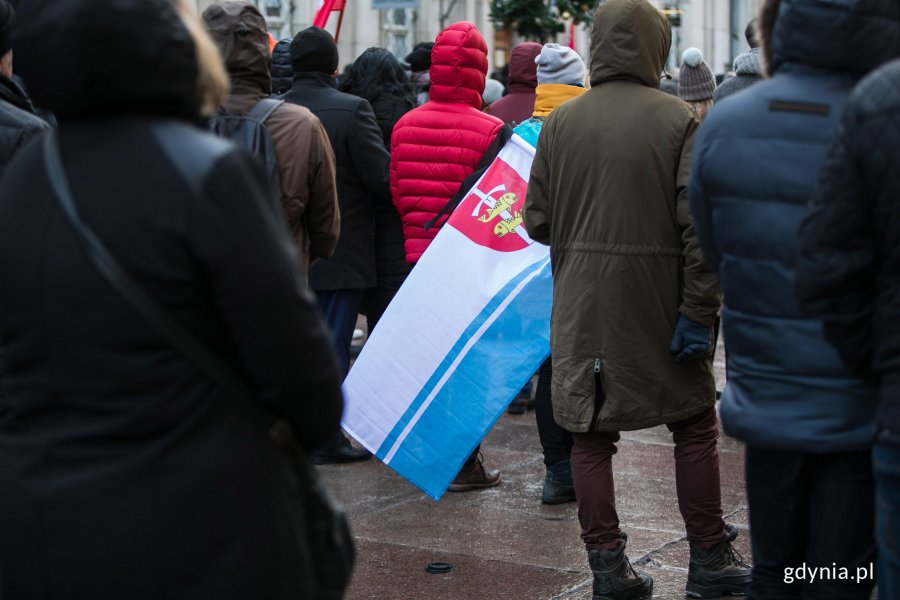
328 7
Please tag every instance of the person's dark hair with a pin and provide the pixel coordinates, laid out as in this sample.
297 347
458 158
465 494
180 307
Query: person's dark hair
765 28
751 35
377 73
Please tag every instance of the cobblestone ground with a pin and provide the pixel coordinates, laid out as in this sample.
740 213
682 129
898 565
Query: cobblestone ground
502 542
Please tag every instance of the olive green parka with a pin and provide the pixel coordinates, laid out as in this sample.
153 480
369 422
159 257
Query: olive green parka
608 193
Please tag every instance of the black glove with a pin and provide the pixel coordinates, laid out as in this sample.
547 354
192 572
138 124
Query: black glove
691 340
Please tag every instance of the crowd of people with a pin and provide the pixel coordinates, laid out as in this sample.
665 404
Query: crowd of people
767 201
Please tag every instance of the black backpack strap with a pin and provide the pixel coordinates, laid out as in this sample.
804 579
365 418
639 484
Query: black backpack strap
118 277
264 109
487 158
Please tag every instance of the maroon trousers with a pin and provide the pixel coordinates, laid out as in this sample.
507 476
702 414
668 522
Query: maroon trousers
696 482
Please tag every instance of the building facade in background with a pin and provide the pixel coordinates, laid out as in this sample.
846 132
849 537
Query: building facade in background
714 26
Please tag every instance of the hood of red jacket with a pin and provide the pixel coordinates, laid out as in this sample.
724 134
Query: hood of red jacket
522 68
459 65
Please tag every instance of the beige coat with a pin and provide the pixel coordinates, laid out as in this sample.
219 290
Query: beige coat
608 193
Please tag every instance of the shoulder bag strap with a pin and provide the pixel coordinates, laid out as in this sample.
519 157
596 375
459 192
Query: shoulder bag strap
116 275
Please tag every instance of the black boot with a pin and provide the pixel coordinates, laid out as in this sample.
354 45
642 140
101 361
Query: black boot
615 579
339 451
558 486
717 571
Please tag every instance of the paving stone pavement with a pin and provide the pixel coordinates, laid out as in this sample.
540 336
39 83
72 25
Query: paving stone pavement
502 542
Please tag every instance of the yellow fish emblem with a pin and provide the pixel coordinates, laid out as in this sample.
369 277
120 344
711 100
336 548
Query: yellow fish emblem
504 202
508 225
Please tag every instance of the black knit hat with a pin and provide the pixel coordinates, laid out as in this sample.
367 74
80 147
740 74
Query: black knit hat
420 58
7 16
313 49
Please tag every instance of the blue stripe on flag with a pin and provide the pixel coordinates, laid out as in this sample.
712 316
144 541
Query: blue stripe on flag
459 415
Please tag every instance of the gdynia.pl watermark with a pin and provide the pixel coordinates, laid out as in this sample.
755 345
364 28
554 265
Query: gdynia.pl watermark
832 573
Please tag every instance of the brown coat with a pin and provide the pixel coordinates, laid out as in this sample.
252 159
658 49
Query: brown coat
307 173
306 164
608 193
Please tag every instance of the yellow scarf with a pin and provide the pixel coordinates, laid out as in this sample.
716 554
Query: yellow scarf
548 96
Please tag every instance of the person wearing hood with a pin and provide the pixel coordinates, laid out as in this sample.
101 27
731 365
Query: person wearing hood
419 61
305 160
437 151
18 119
517 105
806 418
633 300
747 68
126 469
341 282
281 70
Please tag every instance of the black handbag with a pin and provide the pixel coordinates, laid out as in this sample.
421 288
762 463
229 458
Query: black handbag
331 546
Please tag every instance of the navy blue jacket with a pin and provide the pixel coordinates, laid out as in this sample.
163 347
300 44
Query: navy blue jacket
756 158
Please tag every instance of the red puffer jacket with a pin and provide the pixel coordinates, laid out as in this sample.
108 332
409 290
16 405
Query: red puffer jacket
436 146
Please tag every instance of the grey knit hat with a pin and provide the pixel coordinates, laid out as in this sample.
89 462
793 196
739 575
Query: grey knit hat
696 80
559 64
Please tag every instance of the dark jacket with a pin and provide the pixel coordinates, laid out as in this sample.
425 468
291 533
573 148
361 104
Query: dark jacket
390 259
747 71
280 68
306 168
756 160
362 176
125 470
516 106
626 267
849 268
18 121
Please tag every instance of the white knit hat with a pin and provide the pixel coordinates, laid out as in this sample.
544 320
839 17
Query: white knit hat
559 64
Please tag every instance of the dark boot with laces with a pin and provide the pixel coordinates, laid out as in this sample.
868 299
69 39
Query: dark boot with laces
717 571
615 579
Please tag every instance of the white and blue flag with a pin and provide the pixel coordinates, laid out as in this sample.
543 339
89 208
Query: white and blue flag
467 330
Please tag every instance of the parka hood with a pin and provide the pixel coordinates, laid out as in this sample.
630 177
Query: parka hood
239 30
630 41
87 58
853 36
522 68
459 65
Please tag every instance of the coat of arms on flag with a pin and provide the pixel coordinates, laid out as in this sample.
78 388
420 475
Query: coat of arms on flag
469 327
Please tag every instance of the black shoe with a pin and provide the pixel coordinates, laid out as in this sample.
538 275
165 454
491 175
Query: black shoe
341 451
523 401
558 486
717 571
614 577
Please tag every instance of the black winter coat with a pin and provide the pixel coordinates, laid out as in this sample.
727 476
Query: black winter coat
281 69
849 268
390 258
18 121
362 176
125 471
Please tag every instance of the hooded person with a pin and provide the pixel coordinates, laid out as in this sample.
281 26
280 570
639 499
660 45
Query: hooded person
805 417
362 161
127 470
281 70
747 67
633 300
516 106
419 61
18 119
696 82
305 160
437 152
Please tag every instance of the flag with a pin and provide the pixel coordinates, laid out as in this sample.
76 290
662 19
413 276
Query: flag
467 330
